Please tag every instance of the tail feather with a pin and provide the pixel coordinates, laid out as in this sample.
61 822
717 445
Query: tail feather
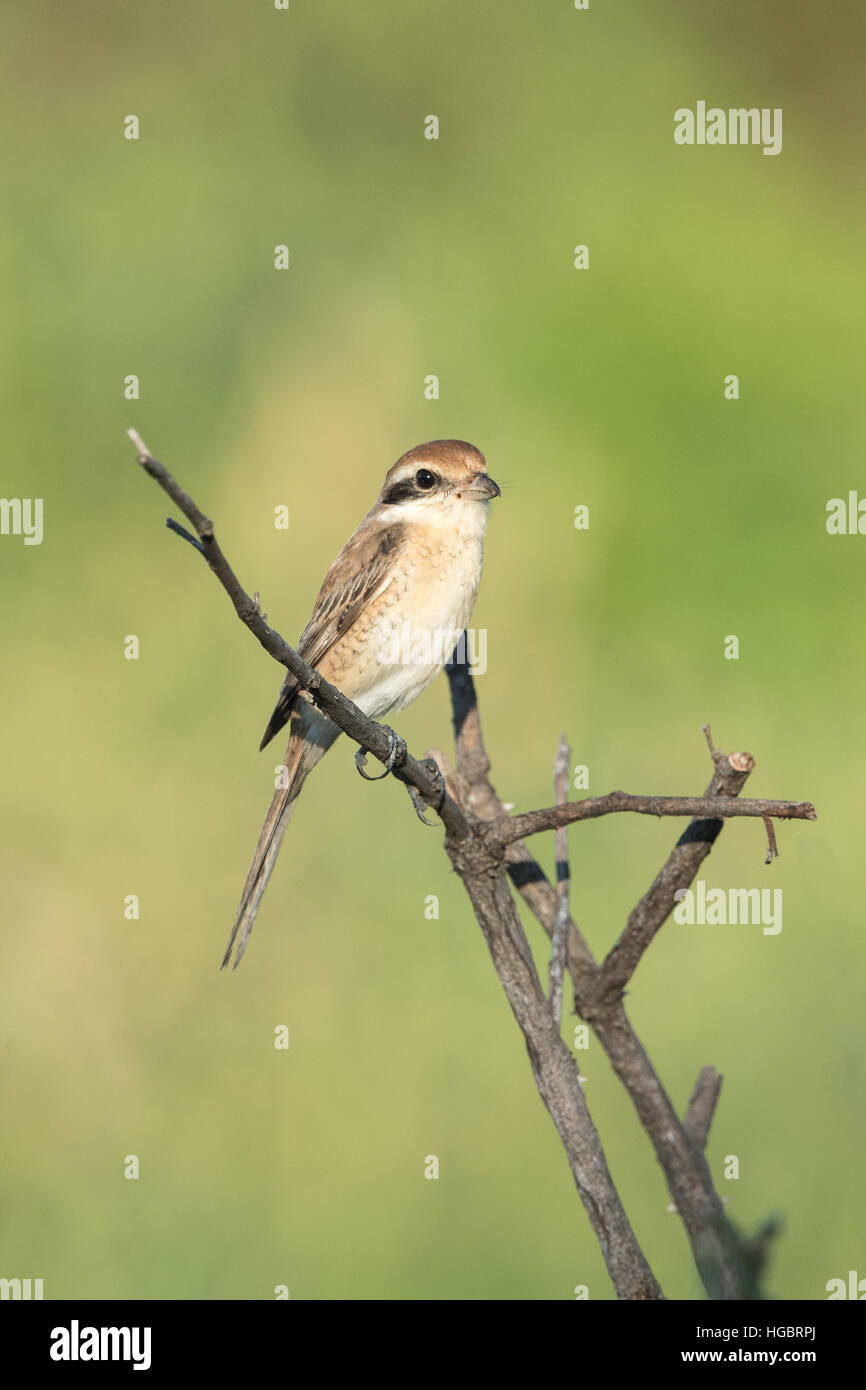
312 736
280 717
267 849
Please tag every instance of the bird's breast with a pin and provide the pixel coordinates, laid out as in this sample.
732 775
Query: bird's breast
403 638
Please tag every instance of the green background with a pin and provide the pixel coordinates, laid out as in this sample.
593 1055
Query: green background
258 388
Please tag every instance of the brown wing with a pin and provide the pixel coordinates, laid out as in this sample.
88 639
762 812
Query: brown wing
360 572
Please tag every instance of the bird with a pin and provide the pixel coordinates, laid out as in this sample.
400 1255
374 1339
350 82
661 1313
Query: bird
388 615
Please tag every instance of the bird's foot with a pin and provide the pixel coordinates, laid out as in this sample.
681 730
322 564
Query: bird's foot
397 753
417 799
418 803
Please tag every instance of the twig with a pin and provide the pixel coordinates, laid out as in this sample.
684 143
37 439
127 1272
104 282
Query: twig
646 917
702 1106
560 931
182 531
591 807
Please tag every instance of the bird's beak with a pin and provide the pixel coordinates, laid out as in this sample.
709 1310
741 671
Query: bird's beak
482 488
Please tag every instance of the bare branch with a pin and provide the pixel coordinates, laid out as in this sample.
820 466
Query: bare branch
555 1073
729 777
473 763
560 930
591 807
772 847
553 1067
702 1106
715 1246
182 531
720 1255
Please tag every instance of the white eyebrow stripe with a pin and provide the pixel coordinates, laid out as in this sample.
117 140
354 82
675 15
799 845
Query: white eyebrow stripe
409 470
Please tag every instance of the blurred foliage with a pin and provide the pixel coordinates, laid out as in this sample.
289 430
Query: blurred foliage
602 387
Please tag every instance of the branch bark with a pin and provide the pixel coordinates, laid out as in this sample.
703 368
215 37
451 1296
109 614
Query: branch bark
591 807
556 1076
729 777
702 1106
563 874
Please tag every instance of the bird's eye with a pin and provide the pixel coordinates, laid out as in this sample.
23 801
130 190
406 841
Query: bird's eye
425 479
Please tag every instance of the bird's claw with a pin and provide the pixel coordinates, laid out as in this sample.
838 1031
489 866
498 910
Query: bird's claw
418 803
397 754
396 757
361 762
417 799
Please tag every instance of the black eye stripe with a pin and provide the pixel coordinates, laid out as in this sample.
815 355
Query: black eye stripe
400 492
408 488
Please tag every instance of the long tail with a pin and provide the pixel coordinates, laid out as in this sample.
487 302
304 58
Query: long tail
312 736
264 859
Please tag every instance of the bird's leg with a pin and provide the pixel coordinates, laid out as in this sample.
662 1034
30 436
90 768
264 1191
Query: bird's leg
397 751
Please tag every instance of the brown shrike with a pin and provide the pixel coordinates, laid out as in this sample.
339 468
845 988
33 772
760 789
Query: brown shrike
412 568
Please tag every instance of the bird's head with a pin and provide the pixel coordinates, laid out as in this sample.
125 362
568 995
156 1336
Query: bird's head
445 480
